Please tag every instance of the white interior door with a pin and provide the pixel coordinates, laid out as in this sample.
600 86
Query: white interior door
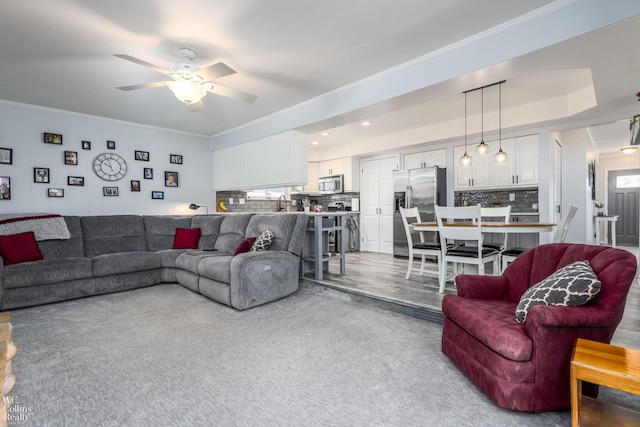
376 202
369 205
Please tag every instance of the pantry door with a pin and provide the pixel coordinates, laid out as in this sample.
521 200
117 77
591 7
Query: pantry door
376 201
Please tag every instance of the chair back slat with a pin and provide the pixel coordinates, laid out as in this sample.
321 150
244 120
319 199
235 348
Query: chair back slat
471 214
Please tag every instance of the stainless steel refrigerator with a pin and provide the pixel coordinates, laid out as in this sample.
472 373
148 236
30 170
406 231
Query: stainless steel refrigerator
421 188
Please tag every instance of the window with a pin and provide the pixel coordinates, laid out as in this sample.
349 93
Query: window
267 193
628 181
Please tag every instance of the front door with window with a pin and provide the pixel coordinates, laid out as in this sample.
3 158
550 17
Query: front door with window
623 198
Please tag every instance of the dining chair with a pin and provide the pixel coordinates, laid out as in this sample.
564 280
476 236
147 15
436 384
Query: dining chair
509 255
422 248
497 214
472 250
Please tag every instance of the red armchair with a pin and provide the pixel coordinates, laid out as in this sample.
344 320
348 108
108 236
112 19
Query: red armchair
525 367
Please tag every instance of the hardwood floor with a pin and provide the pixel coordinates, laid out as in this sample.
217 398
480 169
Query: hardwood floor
378 279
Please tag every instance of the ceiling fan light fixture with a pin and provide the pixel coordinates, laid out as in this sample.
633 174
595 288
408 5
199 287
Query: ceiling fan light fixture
187 92
630 149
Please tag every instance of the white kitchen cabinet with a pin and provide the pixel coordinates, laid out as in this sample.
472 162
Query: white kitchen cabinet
349 167
313 174
521 167
276 161
477 174
425 159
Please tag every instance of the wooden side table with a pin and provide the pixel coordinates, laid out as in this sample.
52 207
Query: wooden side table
609 366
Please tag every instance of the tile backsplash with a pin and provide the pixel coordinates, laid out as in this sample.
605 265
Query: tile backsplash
524 200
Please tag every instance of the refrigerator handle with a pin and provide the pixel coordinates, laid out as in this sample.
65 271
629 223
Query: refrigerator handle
408 199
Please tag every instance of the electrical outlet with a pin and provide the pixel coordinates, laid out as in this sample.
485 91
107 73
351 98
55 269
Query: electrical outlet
512 197
241 201
230 200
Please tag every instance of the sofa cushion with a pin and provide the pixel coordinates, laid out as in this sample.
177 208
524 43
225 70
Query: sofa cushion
263 241
160 231
125 262
113 234
245 246
216 268
282 227
210 226
573 285
186 238
21 247
490 322
232 232
70 248
46 272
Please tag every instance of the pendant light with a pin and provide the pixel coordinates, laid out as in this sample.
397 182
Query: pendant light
482 148
465 160
500 156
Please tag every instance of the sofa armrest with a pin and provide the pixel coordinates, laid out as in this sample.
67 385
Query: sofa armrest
481 287
262 276
567 317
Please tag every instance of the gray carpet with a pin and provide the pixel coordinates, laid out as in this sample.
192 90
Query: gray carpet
165 356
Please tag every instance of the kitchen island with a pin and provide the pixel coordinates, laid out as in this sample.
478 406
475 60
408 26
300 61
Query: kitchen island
317 253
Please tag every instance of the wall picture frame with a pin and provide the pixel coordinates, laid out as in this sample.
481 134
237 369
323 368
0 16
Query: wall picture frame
135 185
5 188
86 145
6 156
41 175
175 158
71 158
110 191
52 138
55 192
111 145
75 181
170 179
148 173
142 156
157 195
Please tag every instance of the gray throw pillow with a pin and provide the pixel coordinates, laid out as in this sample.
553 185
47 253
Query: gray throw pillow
263 242
573 285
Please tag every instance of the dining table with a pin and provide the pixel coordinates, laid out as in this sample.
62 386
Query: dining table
492 227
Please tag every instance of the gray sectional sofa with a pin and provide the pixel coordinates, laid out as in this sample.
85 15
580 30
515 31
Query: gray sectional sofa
121 252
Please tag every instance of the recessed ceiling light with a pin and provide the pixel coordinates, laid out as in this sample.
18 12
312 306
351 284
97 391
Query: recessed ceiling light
324 133
315 142
366 123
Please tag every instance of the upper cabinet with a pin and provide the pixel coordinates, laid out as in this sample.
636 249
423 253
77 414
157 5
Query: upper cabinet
313 174
276 161
476 175
520 169
347 166
425 159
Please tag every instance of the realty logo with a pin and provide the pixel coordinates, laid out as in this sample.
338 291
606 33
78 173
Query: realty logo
14 411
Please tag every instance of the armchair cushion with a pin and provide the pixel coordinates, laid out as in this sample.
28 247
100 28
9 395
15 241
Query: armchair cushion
573 285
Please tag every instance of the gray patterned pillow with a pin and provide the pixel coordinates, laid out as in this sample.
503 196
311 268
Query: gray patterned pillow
263 242
573 285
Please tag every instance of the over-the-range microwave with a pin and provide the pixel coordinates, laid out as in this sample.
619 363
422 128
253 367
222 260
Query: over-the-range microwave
331 184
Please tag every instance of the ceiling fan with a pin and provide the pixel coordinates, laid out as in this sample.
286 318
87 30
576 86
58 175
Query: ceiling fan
190 83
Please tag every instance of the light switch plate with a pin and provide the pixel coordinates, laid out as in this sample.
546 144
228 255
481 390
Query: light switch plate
512 197
241 201
230 200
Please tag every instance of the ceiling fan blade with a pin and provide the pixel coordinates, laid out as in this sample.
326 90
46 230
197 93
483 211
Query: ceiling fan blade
195 106
215 71
232 93
143 63
143 86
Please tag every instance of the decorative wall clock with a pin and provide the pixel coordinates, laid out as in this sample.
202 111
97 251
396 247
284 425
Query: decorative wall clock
110 166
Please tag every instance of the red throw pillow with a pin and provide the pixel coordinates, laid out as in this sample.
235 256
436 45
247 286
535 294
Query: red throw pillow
244 246
17 248
186 238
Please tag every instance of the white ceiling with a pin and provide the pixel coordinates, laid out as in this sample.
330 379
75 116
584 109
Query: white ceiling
60 55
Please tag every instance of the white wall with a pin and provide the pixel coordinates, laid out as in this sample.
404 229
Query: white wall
577 152
22 128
